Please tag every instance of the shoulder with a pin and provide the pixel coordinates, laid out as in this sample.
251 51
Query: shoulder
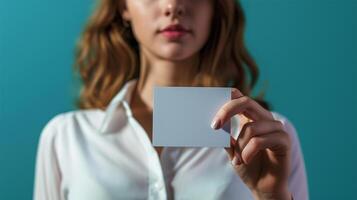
297 177
68 122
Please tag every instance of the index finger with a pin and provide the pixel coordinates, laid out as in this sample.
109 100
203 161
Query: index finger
240 104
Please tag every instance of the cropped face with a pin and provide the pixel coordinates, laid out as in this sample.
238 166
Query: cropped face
170 29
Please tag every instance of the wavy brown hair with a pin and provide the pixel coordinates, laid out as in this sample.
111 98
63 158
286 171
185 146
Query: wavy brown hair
107 55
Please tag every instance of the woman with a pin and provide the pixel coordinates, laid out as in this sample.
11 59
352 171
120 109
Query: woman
104 150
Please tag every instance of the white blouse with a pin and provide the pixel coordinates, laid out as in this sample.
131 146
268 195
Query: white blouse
104 155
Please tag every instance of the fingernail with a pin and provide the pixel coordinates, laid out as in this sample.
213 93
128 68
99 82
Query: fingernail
214 124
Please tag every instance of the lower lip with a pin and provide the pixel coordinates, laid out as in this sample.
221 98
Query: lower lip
173 34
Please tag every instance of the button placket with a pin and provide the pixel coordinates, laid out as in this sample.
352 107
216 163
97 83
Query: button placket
155 174
156 177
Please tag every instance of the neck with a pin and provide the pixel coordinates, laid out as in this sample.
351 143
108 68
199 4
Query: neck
160 72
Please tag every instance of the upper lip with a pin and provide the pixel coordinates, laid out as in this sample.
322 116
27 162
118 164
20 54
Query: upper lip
175 27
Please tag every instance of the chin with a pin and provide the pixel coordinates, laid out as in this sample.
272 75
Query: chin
176 54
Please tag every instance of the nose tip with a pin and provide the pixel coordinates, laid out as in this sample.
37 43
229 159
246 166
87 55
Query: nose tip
174 9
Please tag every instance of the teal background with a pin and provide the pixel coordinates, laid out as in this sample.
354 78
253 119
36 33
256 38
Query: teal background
306 49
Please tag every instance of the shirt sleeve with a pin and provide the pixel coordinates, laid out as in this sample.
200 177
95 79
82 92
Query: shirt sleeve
297 177
47 171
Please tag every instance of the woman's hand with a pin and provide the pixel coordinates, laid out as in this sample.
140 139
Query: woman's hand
261 153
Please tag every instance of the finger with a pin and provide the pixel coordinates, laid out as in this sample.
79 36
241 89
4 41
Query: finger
232 154
230 150
277 142
255 129
242 105
235 93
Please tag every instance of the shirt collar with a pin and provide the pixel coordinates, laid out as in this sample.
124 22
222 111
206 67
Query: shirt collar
114 117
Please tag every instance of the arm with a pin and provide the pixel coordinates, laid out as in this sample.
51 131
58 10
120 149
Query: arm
297 176
47 172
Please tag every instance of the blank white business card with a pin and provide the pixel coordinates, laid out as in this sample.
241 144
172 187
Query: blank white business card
182 116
